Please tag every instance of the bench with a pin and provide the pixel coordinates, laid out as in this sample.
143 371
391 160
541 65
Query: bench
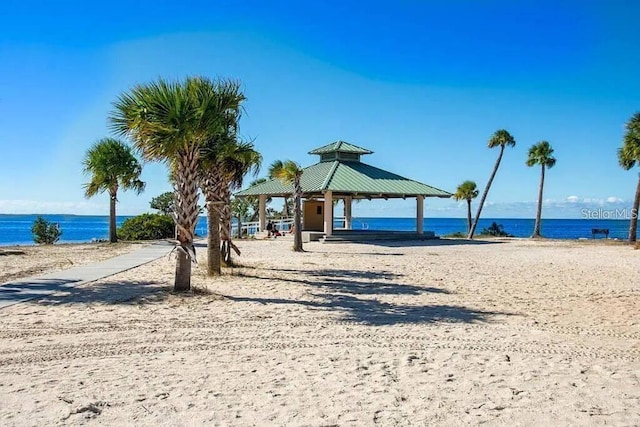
595 231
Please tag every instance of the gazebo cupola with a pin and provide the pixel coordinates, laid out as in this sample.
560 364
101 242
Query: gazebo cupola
341 151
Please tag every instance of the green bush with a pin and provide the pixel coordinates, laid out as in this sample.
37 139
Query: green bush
457 235
147 227
495 230
45 232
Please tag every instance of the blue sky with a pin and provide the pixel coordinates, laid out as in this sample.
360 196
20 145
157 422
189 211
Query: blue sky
423 84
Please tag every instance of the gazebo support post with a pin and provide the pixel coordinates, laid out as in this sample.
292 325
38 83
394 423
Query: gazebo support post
420 214
347 212
328 213
262 211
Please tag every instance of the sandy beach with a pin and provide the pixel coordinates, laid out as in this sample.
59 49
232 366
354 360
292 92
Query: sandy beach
512 332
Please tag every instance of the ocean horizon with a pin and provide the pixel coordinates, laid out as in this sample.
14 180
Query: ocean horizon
15 229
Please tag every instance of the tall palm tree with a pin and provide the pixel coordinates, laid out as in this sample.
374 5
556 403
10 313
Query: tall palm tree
112 166
211 180
170 121
468 191
501 138
628 157
540 154
242 160
223 168
290 172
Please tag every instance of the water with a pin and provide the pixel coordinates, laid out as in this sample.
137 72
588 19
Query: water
16 229
550 228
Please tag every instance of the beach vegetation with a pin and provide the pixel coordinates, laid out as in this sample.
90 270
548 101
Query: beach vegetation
148 226
240 209
171 121
467 191
224 163
500 139
540 154
45 232
290 172
628 157
164 203
495 230
456 235
111 166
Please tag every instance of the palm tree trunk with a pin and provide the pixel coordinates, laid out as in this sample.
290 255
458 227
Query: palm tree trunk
297 214
183 273
225 228
113 236
468 215
286 212
633 224
186 216
213 240
210 185
536 228
484 194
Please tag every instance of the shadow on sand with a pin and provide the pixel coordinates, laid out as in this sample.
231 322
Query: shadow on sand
343 281
427 243
341 291
376 313
120 292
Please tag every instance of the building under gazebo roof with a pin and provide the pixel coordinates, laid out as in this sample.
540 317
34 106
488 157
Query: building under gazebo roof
341 175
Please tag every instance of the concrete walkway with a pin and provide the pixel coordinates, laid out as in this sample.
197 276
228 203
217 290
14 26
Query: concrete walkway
39 286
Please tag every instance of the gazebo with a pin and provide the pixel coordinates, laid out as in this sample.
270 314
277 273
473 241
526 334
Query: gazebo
341 175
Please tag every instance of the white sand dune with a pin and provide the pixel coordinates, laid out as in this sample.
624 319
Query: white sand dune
517 333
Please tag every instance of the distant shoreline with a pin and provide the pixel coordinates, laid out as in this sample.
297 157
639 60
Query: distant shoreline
361 217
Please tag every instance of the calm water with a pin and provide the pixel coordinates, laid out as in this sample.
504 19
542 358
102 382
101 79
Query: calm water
16 229
551 228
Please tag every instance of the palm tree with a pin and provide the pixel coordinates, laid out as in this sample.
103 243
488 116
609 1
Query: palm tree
540 154
212 178
501 138
223 168
112 166
467 191
171 122
243 160
290 172
628 157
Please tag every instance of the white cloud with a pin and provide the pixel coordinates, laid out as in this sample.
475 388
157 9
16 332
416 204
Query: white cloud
573 199
614 199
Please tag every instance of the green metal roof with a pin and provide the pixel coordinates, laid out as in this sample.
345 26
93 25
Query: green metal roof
354 178
342 147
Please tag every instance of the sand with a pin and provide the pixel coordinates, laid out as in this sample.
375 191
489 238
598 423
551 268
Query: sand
512 332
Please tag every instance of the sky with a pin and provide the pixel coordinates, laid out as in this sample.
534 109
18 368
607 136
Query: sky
423 84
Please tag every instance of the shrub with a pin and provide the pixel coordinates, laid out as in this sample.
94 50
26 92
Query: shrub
147 227
45 232
495 230
456 235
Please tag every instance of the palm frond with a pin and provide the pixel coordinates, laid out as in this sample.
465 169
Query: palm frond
111 164
541 154
501 138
